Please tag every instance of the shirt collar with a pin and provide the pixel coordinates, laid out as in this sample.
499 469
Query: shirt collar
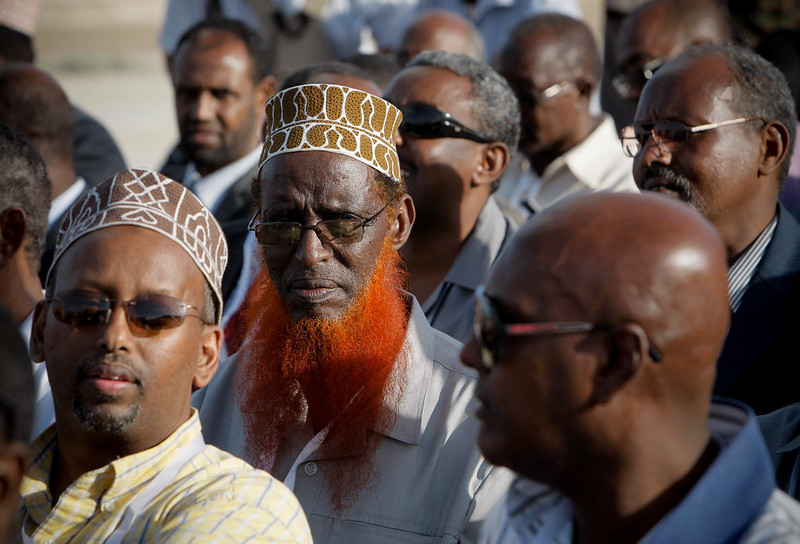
479 251
582 160
211 188
742 271
62 202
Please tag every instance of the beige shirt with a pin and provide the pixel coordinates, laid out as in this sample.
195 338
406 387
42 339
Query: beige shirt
429 482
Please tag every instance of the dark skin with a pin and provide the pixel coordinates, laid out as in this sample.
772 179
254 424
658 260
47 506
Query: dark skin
554 405
553 126
20 287
137 380
449 178
317 279
732 173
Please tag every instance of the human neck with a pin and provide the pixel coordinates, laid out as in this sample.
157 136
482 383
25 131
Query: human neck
62 175
635 496
434 245
540 161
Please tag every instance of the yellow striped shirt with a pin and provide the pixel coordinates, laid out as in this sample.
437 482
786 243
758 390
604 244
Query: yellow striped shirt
216 497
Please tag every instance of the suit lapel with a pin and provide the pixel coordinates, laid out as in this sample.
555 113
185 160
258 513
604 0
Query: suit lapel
767 308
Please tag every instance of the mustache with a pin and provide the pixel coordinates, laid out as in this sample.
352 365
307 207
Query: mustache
674 181
122 363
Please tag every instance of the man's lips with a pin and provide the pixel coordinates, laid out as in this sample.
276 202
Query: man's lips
108 378
313 290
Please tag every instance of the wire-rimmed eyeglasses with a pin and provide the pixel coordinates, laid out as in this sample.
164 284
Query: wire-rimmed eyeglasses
670 135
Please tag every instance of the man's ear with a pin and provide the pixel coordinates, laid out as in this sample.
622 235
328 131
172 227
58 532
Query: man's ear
265 89
400 227
774 147
13 226
626 349
37 331
209 357
493 163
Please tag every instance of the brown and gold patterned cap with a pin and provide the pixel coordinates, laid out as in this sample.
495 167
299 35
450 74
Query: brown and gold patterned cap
336 119
148 199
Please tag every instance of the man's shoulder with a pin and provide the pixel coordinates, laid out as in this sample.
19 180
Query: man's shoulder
220 494
778 522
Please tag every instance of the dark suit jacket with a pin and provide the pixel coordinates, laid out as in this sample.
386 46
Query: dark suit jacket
758 364
233 213
52 237
94 151
781 430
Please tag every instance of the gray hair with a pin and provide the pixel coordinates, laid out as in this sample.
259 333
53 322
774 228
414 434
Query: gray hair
762 89
494 106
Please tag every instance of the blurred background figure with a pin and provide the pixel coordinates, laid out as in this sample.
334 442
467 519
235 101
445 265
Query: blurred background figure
32 102
653 34
16 414
24 201
443 31
551 62
96 155
222 79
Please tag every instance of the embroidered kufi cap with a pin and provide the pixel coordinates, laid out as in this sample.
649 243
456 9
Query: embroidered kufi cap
336 119
21 15
148 199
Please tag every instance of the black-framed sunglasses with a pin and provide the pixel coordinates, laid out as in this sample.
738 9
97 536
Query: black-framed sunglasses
86 308
287 233
672 135
489 329
427 122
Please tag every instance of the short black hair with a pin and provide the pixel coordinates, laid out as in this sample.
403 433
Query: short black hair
305 74
16 386
24 184
15 46
256 45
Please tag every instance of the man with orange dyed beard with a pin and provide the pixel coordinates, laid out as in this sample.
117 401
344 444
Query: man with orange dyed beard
341 388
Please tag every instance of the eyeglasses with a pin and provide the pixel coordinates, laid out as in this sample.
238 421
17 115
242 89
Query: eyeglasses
428 122
86 308
628 85
533 98
489 329
672 135
285 233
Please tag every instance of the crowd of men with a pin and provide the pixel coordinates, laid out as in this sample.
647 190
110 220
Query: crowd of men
346 309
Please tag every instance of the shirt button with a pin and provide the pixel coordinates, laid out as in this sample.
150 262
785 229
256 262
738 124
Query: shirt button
108 507
310 469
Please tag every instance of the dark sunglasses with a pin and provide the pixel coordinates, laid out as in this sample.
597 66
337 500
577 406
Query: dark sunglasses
489 329
634 80
285 233
85 308
427 122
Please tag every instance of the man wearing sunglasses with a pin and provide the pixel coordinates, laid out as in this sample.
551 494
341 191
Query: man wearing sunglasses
714 128
342 389
128 328
552 64
596 339
460 125
653 34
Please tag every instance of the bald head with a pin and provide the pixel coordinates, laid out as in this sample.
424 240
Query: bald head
566 42
442 31
32 102
628 258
